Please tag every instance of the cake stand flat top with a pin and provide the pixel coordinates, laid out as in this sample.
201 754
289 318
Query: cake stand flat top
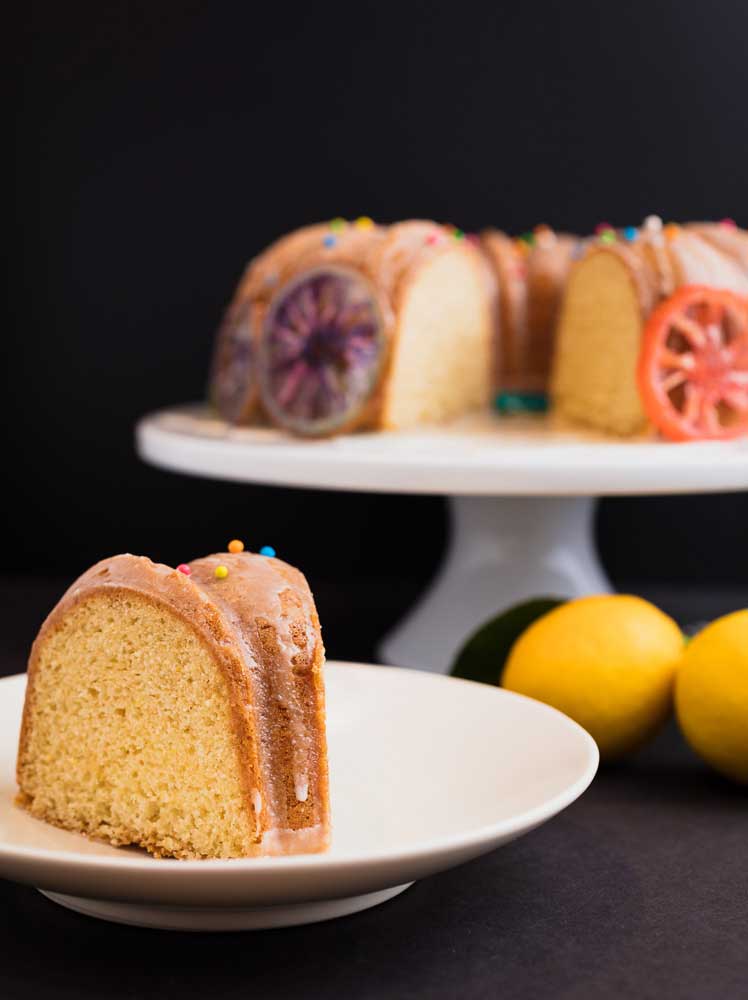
479 455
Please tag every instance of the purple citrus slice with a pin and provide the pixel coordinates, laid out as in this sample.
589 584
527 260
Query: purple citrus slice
233 385
322 351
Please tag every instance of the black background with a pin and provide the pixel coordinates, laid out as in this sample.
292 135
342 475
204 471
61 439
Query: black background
161 145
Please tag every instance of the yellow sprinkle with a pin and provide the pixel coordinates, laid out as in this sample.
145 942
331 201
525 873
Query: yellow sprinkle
236 545
221 572
364 222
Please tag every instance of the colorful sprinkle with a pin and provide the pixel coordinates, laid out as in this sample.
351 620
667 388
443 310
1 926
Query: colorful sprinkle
330 241
473 238
653 223
602 227
236 545
608 236
521 402
630 233
528 238
458 234
432 239
522 246
221 572
184 568
729 223
364 222
337 224
267 550
671 230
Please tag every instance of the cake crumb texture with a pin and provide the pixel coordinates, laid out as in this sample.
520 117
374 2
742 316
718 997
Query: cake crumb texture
597 348
130 735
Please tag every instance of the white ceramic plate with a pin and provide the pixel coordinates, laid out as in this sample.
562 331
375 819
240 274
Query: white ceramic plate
481 454
426 772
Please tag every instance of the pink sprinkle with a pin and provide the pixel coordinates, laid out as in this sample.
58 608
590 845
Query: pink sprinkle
433 238
184 568
473 238
730 223
602 227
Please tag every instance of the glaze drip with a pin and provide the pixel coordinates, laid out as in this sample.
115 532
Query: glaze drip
278 643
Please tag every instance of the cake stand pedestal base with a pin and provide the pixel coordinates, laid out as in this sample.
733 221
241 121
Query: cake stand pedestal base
501 551
196 918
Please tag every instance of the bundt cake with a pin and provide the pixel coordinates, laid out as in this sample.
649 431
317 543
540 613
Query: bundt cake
351 326
181 710
531 271
653 332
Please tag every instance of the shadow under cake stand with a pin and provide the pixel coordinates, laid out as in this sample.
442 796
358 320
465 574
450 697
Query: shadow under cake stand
521 497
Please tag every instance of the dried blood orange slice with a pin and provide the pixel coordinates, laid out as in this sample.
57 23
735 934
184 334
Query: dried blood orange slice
322 351
233 385
693 365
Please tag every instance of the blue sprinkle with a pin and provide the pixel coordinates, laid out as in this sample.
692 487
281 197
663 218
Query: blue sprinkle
267 550
330 241
630 233
521 402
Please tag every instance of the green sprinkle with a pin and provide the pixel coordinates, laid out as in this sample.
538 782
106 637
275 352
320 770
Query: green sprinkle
608 237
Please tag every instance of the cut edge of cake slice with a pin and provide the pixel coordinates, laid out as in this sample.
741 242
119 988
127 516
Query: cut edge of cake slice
181 712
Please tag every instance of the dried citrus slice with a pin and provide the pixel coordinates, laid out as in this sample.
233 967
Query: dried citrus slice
322 352
693 365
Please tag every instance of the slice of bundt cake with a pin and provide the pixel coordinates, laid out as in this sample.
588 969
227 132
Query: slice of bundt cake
531 272
181 710
352 326
611 293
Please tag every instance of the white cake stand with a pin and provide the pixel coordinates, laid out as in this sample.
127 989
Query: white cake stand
521 495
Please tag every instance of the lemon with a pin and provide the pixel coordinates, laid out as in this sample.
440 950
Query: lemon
608 662
711 695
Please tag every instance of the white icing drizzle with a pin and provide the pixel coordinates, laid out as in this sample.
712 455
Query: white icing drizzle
300 736
278 841
545 239
282 689
652 233
302 787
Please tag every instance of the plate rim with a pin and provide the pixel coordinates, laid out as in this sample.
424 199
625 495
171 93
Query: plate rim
453 844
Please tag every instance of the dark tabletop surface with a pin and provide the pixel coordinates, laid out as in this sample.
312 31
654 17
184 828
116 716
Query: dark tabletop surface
639 889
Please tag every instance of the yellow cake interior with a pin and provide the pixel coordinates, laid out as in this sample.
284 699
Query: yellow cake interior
130 736
597 348
441 362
